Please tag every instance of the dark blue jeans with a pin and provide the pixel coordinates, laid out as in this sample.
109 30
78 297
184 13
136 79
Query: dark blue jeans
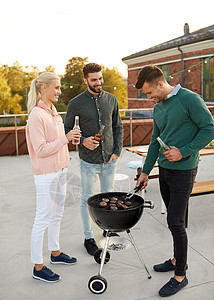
176 187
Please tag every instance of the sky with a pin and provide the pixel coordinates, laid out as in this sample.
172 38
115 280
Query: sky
50 32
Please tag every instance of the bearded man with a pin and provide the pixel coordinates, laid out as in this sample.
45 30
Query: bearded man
95 108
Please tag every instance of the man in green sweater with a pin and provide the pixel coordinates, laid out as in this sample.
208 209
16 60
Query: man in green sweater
182 121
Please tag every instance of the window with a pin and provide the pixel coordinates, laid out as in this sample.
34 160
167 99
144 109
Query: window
208 79
167 72
141 94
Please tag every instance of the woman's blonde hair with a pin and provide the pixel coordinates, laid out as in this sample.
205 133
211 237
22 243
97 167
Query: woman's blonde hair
35 89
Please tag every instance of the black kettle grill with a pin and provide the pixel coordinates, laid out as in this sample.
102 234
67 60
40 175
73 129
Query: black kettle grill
114 221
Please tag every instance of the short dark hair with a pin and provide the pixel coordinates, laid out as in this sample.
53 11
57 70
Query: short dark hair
91 68
149 74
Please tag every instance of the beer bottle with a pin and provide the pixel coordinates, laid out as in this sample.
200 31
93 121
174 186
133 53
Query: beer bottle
163 145
76 126
98 136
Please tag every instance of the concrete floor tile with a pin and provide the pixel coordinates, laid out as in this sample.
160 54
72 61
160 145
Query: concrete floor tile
126 277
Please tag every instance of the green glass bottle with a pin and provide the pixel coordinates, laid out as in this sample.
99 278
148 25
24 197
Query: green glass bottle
163 145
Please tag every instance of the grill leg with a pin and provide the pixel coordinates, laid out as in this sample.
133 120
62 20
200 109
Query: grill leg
104 252
138 253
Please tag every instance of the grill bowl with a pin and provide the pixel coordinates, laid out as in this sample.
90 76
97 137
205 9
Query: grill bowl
118 220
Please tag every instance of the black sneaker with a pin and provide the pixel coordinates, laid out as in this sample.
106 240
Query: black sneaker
164 267
90 246
111 234
172 287
46 274
63 259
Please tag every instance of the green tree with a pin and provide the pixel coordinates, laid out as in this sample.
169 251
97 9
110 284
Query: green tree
114 84
72 81
4 95
50 69
19 80
73 84
60 105
8 103
14 104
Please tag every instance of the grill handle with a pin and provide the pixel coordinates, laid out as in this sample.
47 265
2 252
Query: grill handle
148 204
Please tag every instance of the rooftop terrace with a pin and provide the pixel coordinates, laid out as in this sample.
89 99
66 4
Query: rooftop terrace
127 280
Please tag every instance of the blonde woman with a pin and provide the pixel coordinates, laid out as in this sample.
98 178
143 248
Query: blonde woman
47 147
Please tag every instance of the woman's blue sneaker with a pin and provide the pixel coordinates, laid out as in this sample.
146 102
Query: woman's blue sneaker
63 259
46 274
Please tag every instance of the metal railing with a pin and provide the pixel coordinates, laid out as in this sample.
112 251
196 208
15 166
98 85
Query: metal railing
131 110
15 116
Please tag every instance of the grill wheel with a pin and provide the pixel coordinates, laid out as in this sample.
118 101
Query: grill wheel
97 284
98 257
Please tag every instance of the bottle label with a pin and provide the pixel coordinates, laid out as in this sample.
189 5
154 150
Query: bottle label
97 137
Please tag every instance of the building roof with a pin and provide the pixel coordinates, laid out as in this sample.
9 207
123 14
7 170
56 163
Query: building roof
202 34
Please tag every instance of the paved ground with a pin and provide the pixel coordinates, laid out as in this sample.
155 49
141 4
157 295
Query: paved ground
127 279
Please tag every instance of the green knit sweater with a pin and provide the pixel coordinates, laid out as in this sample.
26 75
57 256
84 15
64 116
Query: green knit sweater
185 122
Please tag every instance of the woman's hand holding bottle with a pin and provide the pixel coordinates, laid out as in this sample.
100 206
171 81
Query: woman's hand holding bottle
73 134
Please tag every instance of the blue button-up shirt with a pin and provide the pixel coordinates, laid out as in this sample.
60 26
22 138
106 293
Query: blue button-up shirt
174 91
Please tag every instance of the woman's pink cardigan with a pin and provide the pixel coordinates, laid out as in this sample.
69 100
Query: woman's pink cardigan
46 141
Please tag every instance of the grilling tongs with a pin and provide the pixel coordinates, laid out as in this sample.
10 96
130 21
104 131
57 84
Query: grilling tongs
132 192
